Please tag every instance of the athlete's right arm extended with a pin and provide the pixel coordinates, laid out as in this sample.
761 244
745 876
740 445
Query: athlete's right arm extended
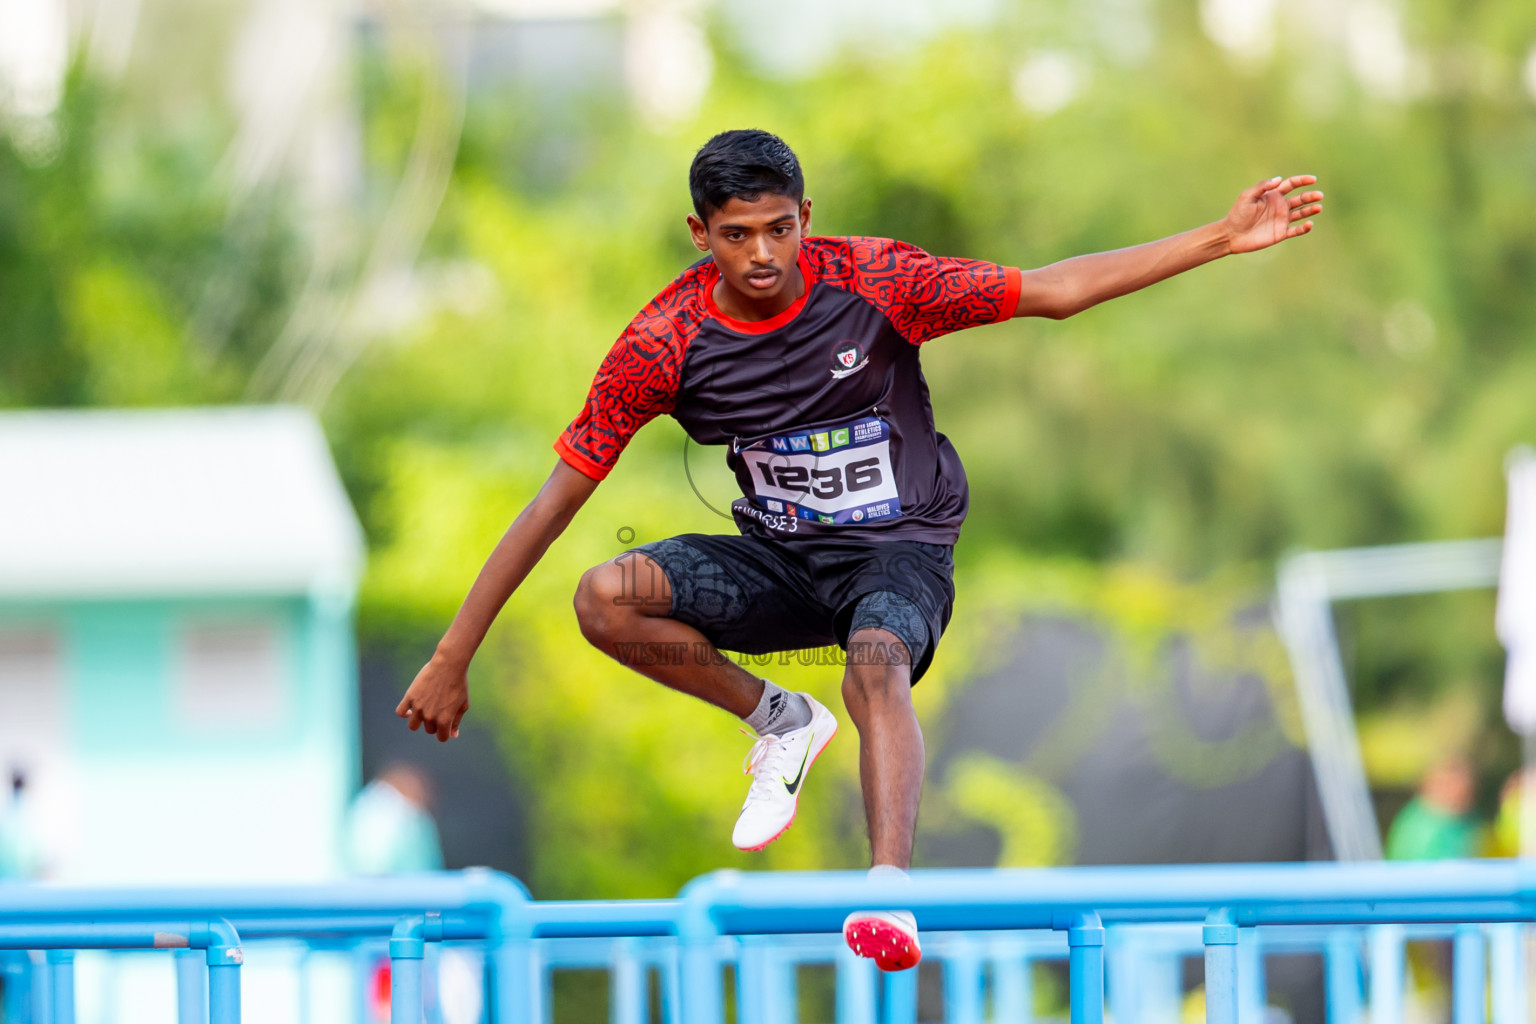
439 696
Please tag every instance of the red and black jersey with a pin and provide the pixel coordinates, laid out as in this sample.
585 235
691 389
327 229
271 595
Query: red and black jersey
823 407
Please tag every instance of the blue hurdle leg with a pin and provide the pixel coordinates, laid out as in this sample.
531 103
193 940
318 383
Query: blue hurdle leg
856 991
61 979
407 949
1506 973
1220 936
1252 993
191 987
963 985
628 999
1388 973
702 995
40 988
14 971
1341 965
1085 969
1013 989
1468 976
517 985
900 997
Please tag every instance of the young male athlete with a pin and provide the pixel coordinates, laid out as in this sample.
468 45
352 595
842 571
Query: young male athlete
800 355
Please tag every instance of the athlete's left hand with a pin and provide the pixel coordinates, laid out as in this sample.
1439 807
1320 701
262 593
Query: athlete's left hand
1266 213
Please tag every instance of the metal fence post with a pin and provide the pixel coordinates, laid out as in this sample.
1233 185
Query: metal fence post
1085 968
1468 975
61 980
1220 938
191 987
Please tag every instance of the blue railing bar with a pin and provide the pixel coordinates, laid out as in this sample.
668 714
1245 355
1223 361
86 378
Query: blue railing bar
486 891
117 935
587 919
1397 911
1158 887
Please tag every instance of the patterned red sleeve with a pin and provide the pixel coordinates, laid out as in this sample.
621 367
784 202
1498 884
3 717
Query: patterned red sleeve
636 382
926 296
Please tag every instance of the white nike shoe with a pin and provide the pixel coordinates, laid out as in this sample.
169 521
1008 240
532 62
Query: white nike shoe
778 765
888 937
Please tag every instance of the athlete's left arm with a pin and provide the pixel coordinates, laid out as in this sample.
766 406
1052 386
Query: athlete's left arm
1264 215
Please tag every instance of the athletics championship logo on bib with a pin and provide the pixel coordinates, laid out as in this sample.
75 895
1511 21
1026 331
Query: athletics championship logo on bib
834 475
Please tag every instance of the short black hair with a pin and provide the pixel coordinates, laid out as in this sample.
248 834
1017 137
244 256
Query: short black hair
745 164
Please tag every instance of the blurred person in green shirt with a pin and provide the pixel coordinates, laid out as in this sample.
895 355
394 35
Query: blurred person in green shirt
1437 824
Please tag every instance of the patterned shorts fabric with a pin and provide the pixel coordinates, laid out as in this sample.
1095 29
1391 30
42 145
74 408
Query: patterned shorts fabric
756 597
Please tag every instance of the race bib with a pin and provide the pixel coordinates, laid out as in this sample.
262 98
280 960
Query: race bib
833 475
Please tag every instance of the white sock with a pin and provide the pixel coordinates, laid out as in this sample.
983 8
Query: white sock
779 711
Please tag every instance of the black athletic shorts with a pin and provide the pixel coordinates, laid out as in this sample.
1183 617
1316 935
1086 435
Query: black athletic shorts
755 597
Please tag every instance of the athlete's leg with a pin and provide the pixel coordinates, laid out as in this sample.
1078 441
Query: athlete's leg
630 623
877 690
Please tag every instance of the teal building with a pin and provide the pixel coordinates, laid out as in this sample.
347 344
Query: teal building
178 676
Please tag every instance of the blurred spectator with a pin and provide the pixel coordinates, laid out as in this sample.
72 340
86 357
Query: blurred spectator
390 829
1504 837
21 848
1437 823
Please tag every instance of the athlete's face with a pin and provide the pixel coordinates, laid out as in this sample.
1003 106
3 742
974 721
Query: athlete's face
755 244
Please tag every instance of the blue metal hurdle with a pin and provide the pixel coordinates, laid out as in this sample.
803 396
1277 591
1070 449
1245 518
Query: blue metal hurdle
1131 923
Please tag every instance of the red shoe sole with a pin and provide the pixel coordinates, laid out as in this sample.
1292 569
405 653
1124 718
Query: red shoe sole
771 839
888 946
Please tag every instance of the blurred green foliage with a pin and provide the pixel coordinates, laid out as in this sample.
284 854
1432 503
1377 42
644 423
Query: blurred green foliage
1358 386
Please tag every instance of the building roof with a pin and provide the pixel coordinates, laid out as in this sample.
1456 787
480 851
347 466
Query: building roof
118 503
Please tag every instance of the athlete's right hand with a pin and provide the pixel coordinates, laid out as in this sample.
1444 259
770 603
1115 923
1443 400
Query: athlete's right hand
437 698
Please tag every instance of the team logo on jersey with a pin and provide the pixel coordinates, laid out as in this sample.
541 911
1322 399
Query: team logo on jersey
858 515
848 358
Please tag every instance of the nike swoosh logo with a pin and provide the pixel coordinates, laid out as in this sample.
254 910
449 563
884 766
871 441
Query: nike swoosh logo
792 786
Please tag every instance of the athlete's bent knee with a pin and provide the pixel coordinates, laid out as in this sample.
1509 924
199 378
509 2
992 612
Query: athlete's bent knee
599 602
879 667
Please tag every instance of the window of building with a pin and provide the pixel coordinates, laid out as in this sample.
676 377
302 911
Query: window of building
230 672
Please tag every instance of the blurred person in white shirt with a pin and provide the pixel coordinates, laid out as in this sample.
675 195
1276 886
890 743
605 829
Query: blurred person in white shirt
390 828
